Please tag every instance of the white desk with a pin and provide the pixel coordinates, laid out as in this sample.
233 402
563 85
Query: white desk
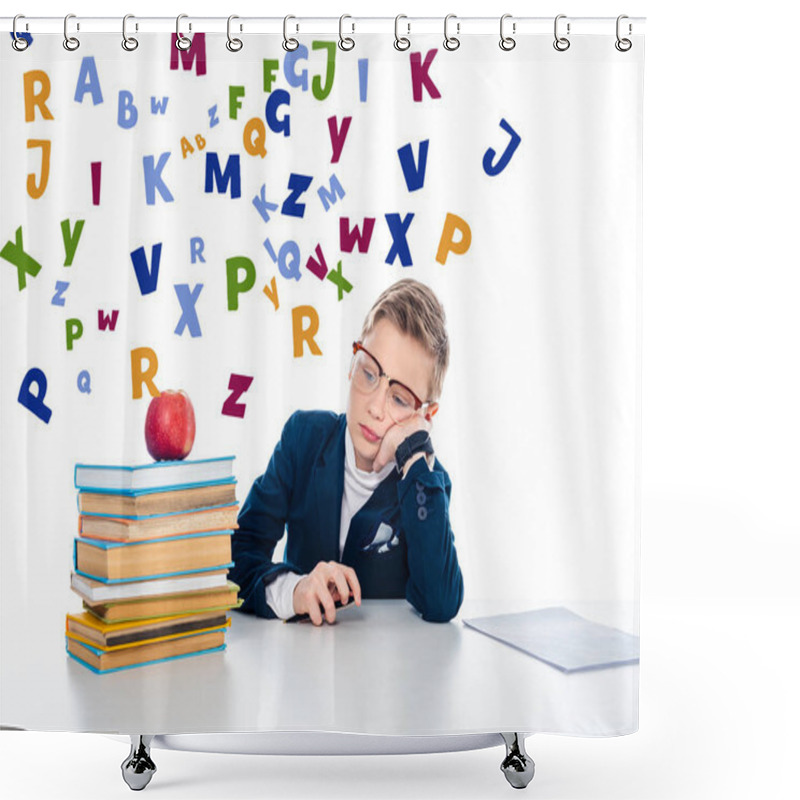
380 670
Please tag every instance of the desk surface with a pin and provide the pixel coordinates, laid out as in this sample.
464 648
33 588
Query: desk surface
380 669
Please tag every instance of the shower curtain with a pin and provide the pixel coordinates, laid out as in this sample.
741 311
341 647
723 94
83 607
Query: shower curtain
320 382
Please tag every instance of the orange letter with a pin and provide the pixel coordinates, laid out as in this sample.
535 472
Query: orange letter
302 334
139 375
33 190
33 99
446 243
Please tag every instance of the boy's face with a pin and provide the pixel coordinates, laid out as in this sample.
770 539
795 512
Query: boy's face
404 359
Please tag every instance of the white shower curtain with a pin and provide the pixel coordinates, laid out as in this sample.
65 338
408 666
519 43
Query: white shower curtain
221 222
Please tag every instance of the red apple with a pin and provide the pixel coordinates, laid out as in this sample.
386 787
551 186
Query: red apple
169 426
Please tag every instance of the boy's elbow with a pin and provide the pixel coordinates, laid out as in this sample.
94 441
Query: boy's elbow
444 607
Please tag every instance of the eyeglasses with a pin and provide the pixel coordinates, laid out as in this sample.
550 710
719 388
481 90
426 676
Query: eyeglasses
366 374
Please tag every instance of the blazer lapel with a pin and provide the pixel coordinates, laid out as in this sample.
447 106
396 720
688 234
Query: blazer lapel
328 478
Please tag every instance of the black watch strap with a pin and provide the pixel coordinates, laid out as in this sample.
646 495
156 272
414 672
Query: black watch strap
417 442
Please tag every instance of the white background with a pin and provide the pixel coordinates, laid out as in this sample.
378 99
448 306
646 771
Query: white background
721 475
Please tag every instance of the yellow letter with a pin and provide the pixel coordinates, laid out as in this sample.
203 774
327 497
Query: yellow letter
446 243
36 100
139 375
302 334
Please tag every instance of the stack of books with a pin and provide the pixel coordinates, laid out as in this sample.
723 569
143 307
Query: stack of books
151 562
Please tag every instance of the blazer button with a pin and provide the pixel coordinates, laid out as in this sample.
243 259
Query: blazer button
421 498
422 513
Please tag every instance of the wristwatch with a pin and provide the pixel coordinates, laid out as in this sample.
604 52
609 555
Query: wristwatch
417 442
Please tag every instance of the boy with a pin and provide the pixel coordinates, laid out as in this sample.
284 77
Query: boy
364 499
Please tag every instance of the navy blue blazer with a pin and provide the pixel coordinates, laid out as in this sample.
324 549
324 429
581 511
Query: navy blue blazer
400 543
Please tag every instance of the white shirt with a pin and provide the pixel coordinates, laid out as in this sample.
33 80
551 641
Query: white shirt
358 488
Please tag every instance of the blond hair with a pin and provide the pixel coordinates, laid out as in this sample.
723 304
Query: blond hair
416 311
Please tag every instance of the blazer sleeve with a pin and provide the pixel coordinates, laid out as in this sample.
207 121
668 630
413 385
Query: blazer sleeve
262 523
435 586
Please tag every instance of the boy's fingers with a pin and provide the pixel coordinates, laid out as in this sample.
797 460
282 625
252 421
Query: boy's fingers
341 587
312 609
352 579
327 603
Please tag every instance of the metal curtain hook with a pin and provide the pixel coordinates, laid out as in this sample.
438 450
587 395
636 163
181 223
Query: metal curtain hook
233 44
289 44
70 42
561 43
451 42
345 42
623 45
17 42
182 42
128 42
506 42
401 42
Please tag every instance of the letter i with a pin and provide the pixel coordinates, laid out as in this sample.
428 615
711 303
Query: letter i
96 165
363 70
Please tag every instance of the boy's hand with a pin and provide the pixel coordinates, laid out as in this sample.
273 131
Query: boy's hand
396 434
326 584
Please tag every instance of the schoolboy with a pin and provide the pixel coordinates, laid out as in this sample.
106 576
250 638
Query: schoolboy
362 496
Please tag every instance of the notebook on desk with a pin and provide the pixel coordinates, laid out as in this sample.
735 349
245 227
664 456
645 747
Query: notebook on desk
561 638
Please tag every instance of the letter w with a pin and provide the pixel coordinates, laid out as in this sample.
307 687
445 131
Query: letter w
104 322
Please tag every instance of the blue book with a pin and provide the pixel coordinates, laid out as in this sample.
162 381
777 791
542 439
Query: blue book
156 475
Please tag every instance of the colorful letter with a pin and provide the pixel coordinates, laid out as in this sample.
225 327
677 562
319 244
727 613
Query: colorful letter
195 51
15 254
303 334
280 97
196 245
420 77
348 239
320 91
290 62
271 291
363 73
270 73
414 173
328 197
147 277
342 284
104 322
235 95
88 82
318 268
262 206
58 297
502 163
447 244
188 299
238 384
34 99
153 179
96 170
254 136
37 190
158 106
235 286
71 239
139 375
297 185
74 331
35 402
338 136
231 175
127 113
398 228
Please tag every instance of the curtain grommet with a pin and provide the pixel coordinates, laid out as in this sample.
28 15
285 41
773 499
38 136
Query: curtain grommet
182 42
561 43
129 43
507 42
623 44
401 42
451 42
233 44
71 43
290 44
346 43
18 42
